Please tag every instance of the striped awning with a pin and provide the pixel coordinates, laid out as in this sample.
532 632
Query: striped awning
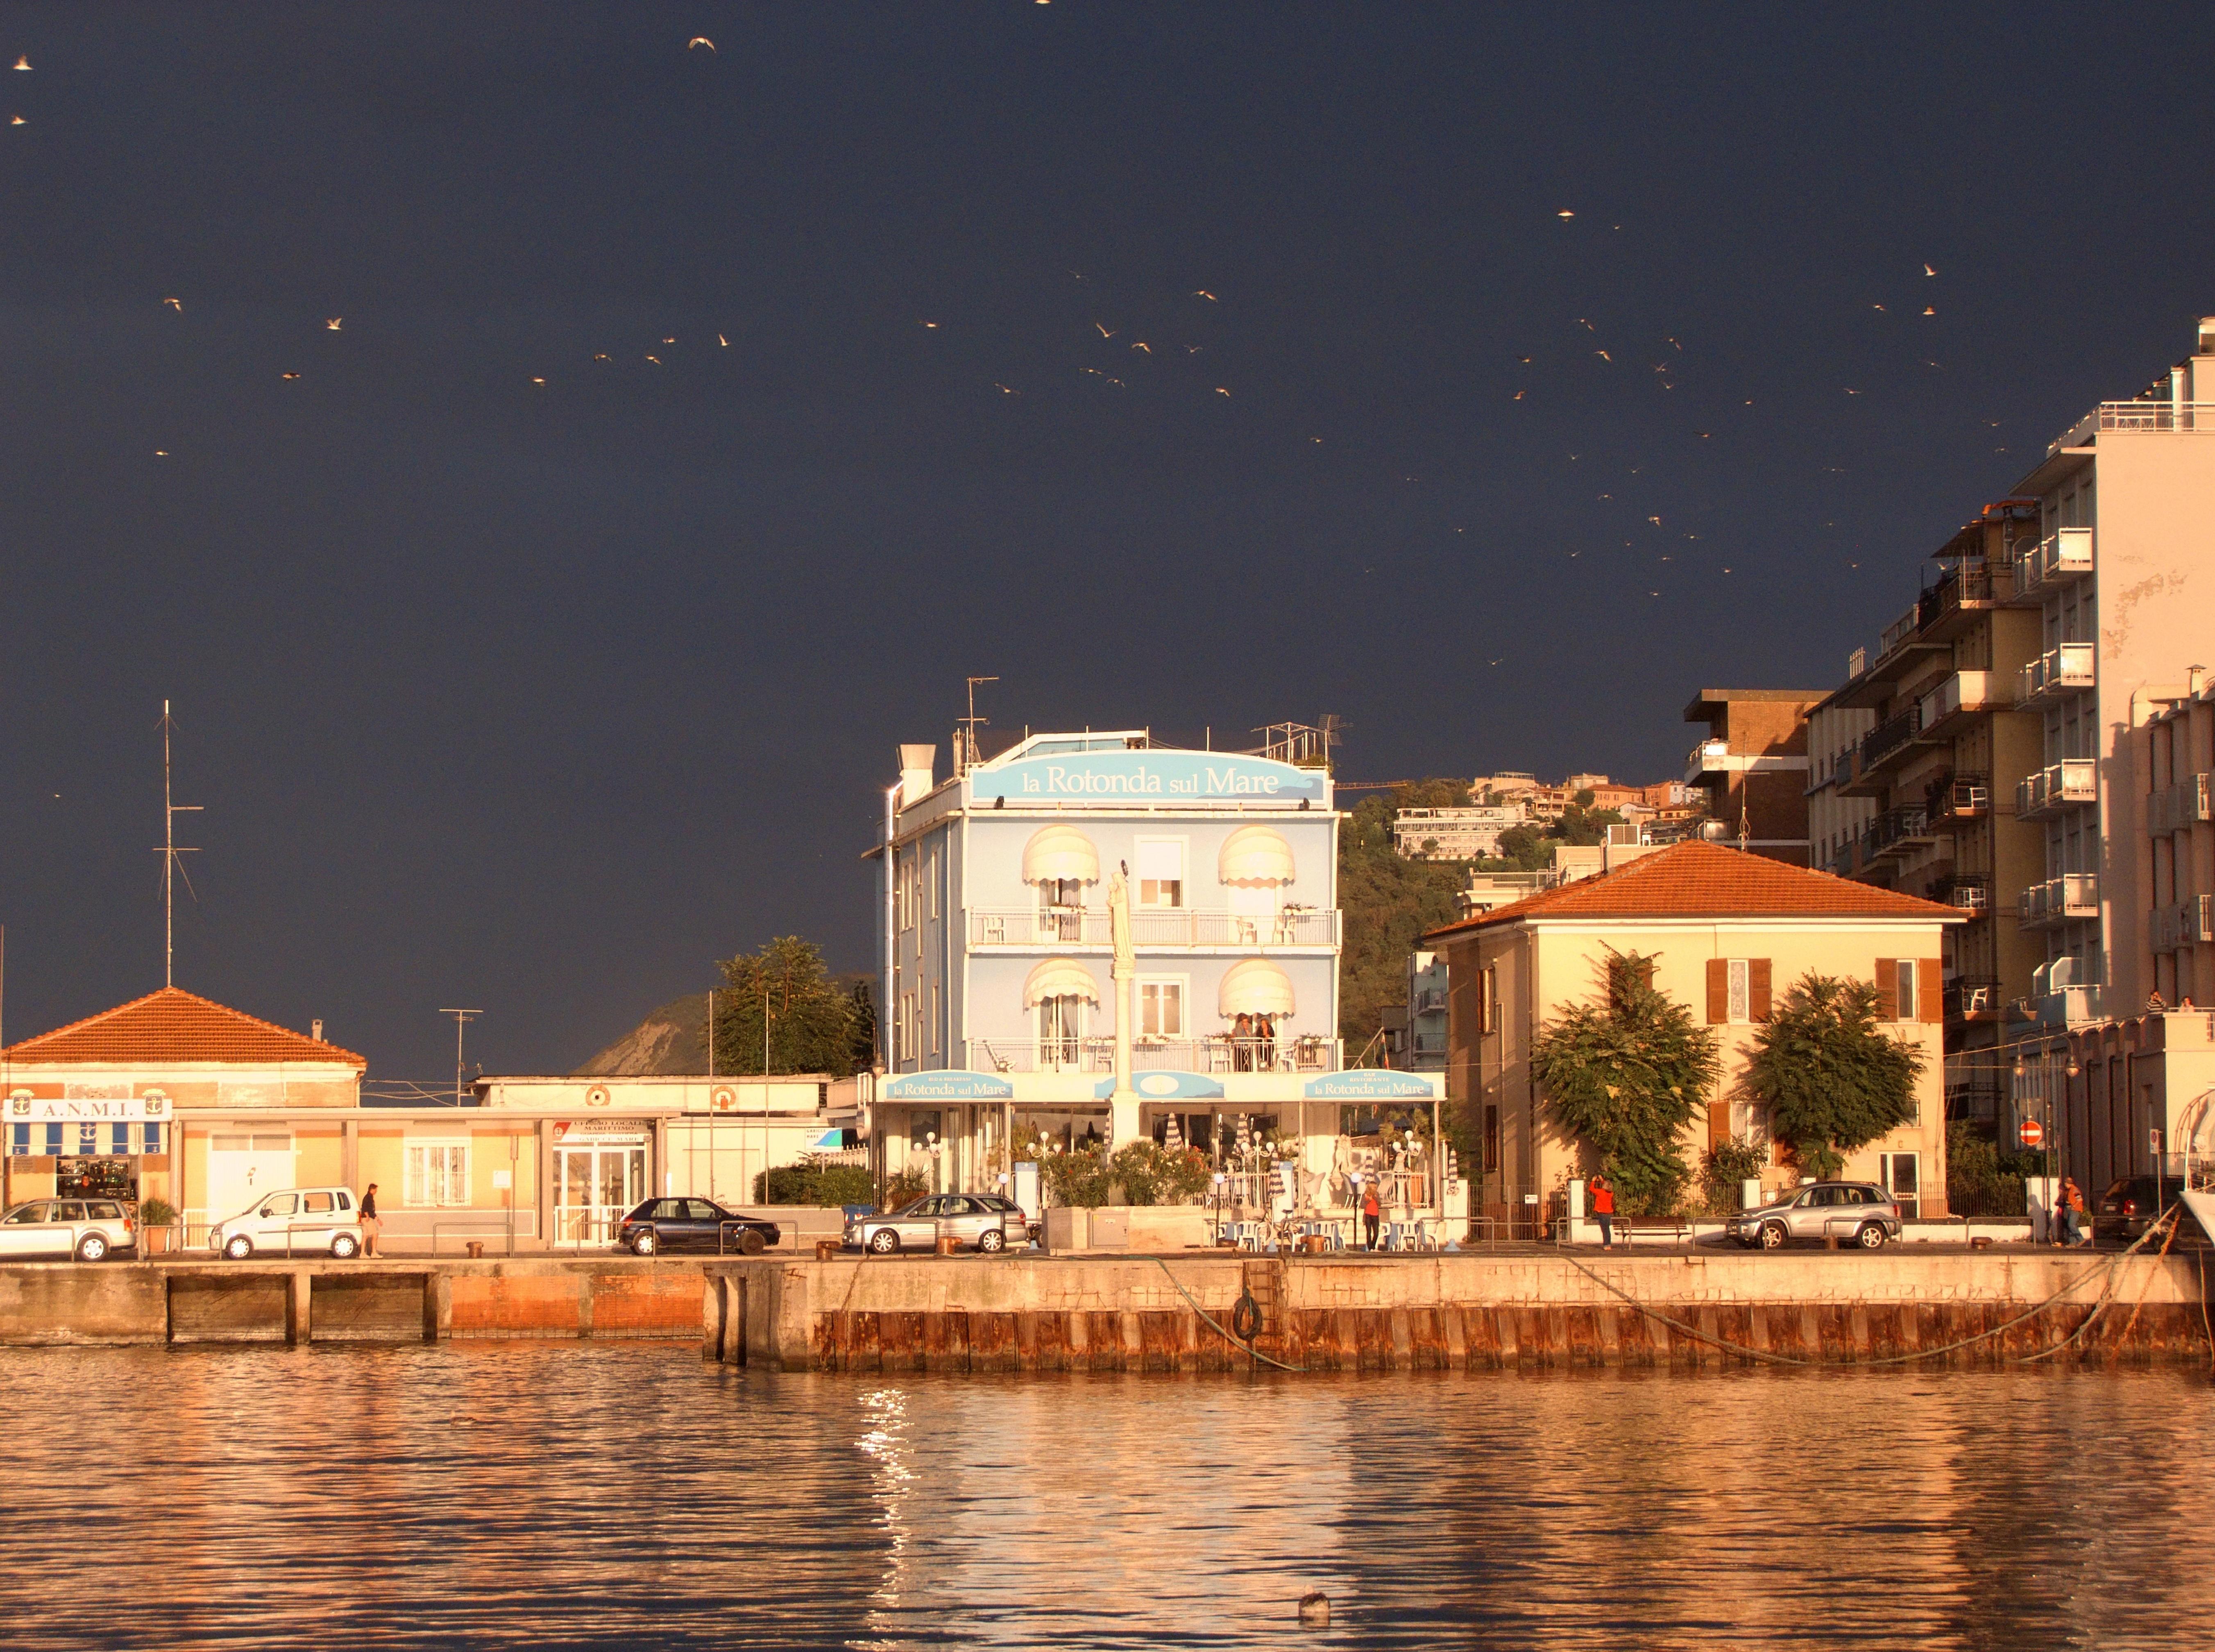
1060 852
1060 977
1255 987
1255 855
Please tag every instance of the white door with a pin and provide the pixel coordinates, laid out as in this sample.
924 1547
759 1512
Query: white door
242 1168
595 1187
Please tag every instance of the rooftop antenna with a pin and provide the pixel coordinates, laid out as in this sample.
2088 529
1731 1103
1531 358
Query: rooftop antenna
461 1019
172 868
964 745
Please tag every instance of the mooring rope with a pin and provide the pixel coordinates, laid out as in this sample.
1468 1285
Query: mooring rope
1226 1336
1765 1357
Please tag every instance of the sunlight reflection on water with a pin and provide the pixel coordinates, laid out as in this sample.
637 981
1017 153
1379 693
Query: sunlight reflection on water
555 1495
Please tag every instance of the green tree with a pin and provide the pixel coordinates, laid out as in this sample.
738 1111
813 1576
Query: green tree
1627 1074
814 1026
1522 848
1386 903
1833 1081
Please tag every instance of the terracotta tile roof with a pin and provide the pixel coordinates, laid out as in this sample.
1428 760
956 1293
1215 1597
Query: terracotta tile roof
174 1025
1704 879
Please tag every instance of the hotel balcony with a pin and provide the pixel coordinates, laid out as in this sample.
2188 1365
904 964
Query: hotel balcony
2186 923
1307 1053
1080 929
1960 800
2053 561
2067 784
2179 807
2074 895
2065 670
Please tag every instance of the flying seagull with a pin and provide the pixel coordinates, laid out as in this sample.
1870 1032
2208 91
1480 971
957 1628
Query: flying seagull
699 39
332 324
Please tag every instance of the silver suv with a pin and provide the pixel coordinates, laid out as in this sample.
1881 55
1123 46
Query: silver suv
88 1229
983 1219
1859 1213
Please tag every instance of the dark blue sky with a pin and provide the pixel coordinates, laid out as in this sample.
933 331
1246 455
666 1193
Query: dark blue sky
538 697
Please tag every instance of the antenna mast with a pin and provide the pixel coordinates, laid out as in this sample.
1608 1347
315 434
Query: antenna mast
171 866
964 741
461 1019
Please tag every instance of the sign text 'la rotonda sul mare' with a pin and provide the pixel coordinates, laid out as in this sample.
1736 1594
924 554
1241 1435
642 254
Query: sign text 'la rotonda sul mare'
1155 775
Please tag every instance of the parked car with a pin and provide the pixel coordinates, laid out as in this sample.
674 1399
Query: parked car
91 1230
1859 1212
694 1223
984 1220
291 1222
2129 1206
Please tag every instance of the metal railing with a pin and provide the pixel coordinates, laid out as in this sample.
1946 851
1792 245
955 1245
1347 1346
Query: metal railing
1966 892
1960 797
1909 823
1972 582
1153 926
1970 996
1889 736
1287 1053
2164 416
1899 632
2188 923
2175 808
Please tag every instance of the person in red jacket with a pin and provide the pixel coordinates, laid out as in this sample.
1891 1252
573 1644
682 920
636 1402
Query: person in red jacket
1371 1212
1603 1204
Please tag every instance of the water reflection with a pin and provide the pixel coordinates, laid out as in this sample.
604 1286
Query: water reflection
622 1495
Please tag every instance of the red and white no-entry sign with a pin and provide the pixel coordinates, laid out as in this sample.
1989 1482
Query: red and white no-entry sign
2032 1133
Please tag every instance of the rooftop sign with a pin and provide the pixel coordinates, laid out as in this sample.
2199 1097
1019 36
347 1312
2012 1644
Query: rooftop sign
1152 776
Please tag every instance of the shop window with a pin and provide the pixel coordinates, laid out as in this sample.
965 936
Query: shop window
436 1173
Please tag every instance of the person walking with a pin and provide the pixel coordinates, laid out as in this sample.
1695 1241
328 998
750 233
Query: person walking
1603 1204
2072 1214
371 1223
1371 1213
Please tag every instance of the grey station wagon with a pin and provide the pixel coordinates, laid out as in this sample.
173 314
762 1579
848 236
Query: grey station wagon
1857 1213
986 1220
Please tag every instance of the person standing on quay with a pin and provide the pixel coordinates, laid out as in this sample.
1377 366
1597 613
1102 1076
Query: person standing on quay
371 1223
1603 1202
1371 1213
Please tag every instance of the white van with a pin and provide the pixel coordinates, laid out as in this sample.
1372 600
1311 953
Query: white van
294 1222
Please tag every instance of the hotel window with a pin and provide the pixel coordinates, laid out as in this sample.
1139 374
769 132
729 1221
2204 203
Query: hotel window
1161 1008
1160 871
1061 1032
934 1018
931 877
436 1173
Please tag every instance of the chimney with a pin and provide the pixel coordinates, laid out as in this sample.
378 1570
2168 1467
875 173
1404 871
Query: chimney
916 762
316 1029
2207 335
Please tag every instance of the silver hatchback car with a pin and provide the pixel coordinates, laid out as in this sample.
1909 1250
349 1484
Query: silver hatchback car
984 1220
90 1229
1858 1213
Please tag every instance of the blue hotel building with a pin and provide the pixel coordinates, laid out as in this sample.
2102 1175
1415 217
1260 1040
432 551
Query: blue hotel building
997 999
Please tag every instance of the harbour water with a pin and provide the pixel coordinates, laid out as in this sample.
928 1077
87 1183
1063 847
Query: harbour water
617 1495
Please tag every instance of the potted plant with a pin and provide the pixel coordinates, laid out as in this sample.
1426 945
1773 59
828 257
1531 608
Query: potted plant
157 1217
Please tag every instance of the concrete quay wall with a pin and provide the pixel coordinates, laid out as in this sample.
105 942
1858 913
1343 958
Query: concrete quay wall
63 1302
1452 1311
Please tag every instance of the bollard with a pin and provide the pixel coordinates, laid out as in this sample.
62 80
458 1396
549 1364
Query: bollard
825 1250
475 1247
946 1244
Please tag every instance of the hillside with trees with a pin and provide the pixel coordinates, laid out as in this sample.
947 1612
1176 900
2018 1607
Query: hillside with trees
1387 903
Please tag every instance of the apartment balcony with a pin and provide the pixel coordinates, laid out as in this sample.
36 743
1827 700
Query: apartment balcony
1971 894
1707 762
2074 895
1980 1101
2162 416
1428 1001
2065 670
1951 706
2070 783
1974 998
2056 561
1893 738
1897 831
2186 923
1308 1052
1960 800
1083 928
1970 588
2181 807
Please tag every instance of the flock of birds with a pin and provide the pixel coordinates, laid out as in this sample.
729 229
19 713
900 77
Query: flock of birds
1134 351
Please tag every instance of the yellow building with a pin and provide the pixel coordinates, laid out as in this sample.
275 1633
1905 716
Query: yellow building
1727 932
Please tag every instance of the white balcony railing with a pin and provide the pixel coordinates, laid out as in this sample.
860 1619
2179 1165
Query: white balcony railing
1304 1053
1705 758
1152 926
2063 556
2074 895
2058 671
2065 784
